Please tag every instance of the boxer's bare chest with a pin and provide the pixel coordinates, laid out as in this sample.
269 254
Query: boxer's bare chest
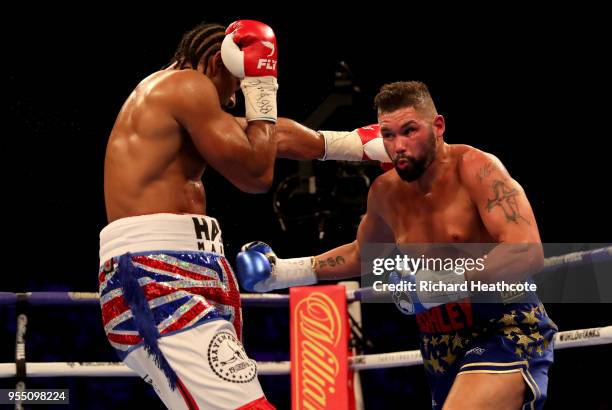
445 214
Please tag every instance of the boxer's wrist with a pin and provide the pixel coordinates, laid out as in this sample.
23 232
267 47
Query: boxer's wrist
260 98
361 144
342 146
295 272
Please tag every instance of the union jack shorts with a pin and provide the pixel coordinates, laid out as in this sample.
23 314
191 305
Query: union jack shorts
175 318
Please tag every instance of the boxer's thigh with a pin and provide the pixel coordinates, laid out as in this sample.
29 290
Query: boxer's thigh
212 367
480 391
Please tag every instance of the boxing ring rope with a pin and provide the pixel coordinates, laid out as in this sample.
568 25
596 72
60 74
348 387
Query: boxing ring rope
563 340
573 259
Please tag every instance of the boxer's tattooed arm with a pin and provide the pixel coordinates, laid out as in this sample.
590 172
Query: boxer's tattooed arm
331 262
505 198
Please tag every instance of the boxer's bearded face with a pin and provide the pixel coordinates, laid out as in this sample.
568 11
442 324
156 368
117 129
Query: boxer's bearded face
410 167
410 142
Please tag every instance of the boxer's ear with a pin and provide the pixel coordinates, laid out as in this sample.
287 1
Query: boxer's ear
217 62
214 64
439 125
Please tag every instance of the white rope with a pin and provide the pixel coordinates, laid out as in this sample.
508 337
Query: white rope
583 337
563 340
386 360
108 369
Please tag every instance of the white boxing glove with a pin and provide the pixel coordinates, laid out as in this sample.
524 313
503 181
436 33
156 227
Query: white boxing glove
361 144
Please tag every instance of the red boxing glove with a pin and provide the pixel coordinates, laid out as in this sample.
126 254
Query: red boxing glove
249 49
249 52
373 147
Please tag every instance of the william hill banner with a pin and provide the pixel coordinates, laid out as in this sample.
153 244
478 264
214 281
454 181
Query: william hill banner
319 349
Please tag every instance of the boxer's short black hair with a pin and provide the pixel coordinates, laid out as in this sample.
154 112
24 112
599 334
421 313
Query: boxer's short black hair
198 45
403 94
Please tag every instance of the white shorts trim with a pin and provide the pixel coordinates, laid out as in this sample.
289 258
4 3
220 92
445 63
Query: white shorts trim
156 232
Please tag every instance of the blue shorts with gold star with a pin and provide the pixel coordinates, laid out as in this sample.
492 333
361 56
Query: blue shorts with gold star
463 338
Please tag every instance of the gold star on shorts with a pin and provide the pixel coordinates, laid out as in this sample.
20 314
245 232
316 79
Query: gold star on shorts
530 317
457 340
524 340
512 330
508 319
449 358
435 365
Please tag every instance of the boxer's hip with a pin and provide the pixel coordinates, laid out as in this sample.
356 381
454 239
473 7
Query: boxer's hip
514 338
161 274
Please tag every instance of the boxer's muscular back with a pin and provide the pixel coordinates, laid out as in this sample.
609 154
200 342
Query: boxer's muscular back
151 164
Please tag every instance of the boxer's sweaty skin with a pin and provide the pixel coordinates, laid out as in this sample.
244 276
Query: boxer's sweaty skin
151 164
169 129
464 196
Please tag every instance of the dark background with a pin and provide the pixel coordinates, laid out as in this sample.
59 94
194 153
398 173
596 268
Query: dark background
529 86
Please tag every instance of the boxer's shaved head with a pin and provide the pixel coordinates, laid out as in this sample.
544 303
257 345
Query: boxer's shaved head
198 45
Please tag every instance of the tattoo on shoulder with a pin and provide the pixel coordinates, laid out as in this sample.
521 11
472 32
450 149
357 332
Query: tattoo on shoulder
505 198
331 262
485 171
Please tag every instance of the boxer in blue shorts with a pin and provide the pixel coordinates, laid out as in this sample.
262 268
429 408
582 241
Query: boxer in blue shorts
476 355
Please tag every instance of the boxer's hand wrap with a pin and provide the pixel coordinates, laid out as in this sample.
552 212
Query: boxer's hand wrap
260 98
260 270
249 52
417 301
361 144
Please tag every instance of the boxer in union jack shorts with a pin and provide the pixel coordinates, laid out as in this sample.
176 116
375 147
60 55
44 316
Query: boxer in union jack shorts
173 315
170 303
